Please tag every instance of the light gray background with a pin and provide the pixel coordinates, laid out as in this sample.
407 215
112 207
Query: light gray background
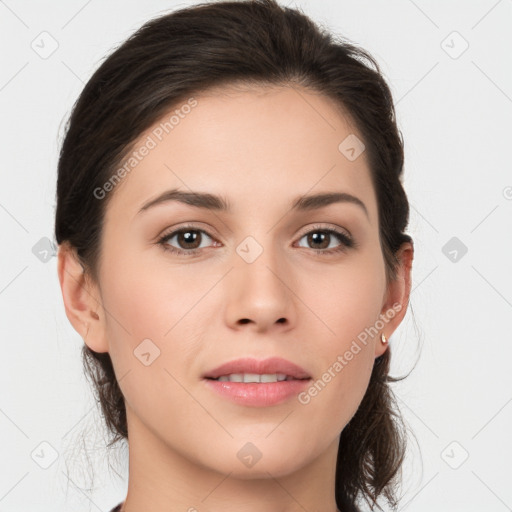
454 109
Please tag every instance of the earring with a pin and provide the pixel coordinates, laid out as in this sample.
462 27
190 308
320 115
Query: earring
383 338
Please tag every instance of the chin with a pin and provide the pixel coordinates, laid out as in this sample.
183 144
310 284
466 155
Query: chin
247 460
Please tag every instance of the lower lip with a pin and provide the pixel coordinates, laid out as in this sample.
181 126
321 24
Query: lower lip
253 394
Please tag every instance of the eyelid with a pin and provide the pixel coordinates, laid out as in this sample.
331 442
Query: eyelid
304 231
211 232
326 227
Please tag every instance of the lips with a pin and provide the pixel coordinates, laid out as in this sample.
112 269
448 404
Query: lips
272 365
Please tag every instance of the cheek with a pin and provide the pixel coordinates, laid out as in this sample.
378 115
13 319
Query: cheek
146 321
146 301
348 303
337 391
150 327
346 299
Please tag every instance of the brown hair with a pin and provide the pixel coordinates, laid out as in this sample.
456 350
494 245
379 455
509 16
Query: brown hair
191 50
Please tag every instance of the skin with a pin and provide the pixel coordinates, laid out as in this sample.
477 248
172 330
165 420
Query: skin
259 148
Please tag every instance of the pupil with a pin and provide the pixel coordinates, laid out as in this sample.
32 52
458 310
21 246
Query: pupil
318 235
189 237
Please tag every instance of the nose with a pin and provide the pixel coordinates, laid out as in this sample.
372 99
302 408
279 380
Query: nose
259 293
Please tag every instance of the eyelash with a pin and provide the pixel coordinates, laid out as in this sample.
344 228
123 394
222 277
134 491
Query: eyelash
346 241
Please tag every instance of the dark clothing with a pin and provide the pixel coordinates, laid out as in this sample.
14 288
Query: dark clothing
118 508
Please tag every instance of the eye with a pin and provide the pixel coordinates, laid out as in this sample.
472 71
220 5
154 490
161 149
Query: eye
324 236
188 238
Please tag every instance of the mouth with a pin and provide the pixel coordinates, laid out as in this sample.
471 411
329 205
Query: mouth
250 370
255 378
257 383
257 390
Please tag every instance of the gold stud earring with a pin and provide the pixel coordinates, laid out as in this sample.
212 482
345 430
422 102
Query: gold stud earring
383 338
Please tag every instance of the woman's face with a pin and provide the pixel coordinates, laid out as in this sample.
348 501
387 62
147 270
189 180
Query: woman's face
261 279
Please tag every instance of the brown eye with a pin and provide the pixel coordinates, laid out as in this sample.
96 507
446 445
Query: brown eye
188 240
320 240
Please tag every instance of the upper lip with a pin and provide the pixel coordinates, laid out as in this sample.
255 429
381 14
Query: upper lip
250 365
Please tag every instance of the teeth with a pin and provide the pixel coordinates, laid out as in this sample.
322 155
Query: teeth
254 377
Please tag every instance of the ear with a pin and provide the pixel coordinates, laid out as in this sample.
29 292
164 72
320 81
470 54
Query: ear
81 299
397 296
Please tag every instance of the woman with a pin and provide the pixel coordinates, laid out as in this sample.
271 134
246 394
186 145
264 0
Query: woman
231 228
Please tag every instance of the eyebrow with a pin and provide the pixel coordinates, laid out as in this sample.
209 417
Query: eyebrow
218 203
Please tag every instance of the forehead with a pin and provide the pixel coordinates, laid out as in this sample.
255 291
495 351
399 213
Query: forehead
260 144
